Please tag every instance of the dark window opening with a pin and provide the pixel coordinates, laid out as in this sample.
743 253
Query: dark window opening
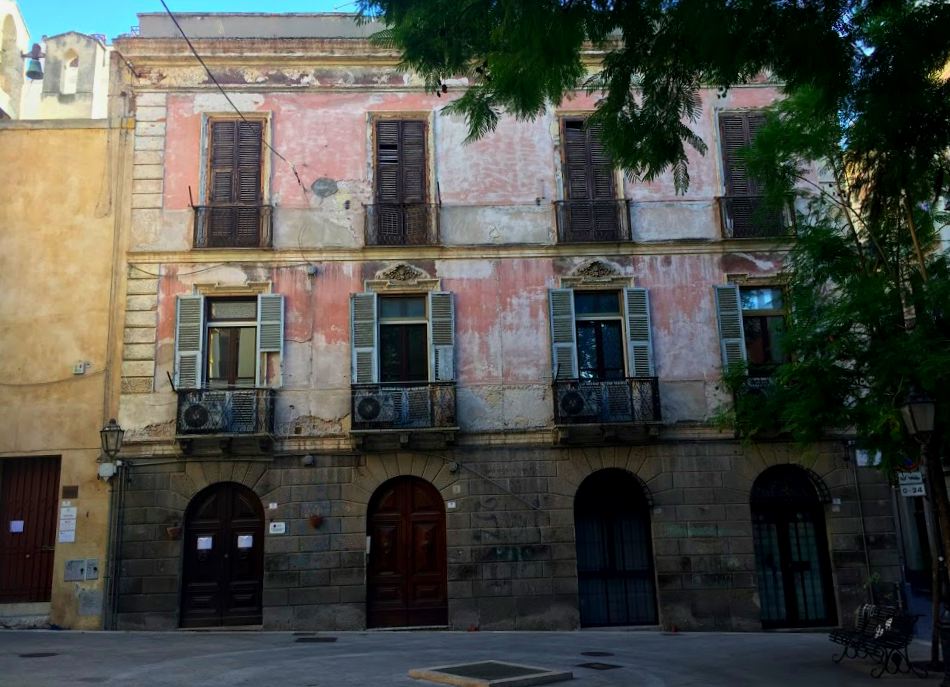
599 331
403 340
763 323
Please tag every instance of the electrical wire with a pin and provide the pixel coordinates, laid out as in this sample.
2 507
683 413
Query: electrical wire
240 114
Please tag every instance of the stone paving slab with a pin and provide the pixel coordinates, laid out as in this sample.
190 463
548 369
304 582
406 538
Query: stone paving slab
377 659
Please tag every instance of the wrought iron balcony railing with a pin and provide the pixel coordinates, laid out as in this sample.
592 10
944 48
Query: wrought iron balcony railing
748 217
420 405
581 221
233 226
587 401
402 224
225 411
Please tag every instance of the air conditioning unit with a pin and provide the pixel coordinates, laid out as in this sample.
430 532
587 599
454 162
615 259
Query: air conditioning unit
203 413
581 402
374 406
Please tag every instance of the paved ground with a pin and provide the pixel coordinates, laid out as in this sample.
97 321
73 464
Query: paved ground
375 659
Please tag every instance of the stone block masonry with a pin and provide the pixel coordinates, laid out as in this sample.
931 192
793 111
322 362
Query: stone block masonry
510 539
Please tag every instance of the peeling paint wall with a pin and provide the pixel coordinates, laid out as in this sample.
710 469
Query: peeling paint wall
498 250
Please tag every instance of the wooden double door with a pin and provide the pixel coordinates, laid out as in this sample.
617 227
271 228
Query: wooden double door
28 500
406 575
223 569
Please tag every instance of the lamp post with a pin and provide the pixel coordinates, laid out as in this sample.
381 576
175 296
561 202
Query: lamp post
919 413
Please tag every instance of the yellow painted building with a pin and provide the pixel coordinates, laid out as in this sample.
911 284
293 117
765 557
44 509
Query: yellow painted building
63 215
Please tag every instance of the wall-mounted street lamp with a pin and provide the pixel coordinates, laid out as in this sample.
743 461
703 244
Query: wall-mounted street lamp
918 412
111 438
34 69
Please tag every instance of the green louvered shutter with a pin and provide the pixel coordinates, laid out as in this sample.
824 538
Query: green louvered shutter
563 334
364 364
270 329
731 336
441 336
639 332
189 341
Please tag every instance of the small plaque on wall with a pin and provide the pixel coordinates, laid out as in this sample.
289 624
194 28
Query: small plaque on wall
278 528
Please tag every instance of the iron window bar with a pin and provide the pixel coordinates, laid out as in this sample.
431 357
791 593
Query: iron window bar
591 221
408 405
402 224
591 401
233 225
750 217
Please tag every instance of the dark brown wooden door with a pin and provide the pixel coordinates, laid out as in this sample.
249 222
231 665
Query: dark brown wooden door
224 558
28 494
406 580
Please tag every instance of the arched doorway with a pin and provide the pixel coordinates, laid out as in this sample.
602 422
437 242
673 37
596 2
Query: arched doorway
791 550
223 569
615 577
406 581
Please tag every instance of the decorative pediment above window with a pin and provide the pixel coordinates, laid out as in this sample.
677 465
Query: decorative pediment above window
596 273
402 277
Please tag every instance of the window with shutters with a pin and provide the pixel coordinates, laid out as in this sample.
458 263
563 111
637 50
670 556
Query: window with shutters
401 213
743 211
590 210
234 214
751 327
403 360
227 362
228 342
602 356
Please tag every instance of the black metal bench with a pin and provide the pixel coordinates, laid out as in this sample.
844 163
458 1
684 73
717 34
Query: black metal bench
881 633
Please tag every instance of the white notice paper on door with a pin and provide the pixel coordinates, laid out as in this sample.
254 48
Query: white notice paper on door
204 543
245 541
16 526
67 537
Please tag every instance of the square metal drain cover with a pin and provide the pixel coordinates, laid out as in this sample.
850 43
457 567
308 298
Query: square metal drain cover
598 666
490 674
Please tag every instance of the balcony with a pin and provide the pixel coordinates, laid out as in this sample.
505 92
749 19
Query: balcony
233 226
402 224
748 217
224 414
389 415
591 221
588 411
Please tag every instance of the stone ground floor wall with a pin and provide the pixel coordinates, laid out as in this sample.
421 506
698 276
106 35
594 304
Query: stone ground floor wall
511 554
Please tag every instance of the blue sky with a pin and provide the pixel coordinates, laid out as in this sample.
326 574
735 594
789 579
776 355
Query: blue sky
112 17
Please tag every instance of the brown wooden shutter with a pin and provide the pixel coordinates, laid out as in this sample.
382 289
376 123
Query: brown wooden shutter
737 130
588 178
235 180
401 181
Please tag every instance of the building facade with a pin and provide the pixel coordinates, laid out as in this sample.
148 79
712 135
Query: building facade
64 217
374 376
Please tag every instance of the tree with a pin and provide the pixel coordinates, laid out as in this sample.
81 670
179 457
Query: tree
871 62
867 92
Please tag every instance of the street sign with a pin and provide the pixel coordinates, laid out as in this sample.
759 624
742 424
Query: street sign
911 483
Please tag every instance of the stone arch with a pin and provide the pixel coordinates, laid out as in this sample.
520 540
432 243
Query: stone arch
69 78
